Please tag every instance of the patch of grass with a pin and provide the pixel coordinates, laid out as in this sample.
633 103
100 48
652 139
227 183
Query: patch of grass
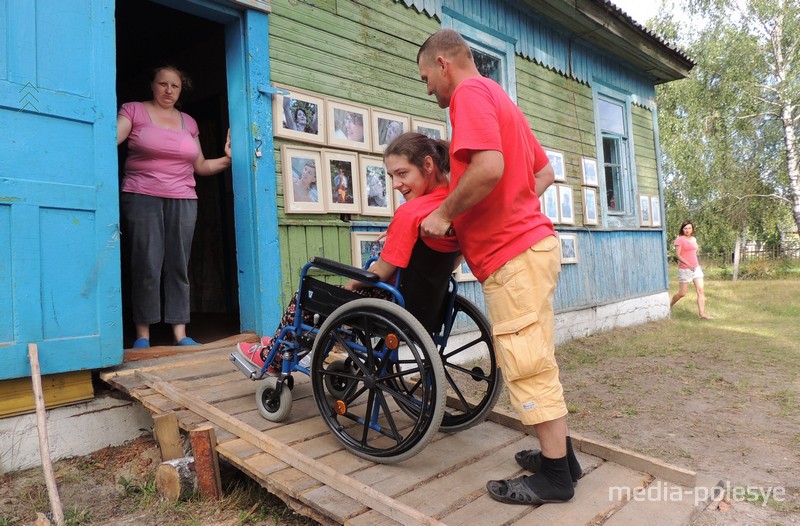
75 517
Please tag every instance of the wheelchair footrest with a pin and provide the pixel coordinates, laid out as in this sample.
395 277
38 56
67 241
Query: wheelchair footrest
248 369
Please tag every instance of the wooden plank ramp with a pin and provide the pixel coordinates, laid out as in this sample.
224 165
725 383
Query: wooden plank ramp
302 463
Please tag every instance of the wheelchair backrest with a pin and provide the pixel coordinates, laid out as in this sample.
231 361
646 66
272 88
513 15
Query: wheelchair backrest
424 284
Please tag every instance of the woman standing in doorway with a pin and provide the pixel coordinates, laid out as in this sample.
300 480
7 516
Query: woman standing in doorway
159 202
689 270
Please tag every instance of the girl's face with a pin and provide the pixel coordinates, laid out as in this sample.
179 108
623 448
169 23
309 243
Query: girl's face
407 178
309 176
301 119
355 131
166 88
688 229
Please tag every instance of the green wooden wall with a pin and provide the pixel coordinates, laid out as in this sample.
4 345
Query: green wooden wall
363 51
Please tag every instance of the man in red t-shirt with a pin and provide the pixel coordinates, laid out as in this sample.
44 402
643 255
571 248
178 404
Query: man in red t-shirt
498 171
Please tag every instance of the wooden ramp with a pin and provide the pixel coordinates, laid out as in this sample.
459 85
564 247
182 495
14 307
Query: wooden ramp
445 483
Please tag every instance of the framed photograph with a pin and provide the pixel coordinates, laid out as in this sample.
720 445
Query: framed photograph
365 245
557 161
589 167
463 272
550 204
655 210
341 181
348 125
299 115
590 206
301 190
434 130
377 195
569 248
386 125
644 208
566 205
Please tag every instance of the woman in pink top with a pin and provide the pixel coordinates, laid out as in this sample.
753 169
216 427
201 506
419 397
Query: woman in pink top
689 268
159 203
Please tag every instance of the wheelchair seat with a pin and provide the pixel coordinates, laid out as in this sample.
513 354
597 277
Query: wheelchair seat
424 284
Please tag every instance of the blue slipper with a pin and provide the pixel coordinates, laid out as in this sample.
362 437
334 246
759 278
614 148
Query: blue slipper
141 343
187 341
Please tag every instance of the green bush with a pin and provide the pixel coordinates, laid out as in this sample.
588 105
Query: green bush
763 269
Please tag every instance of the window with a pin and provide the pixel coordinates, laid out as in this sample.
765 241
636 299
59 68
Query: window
493 53
614 137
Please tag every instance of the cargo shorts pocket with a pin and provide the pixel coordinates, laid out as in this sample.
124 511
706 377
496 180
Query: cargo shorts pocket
522 349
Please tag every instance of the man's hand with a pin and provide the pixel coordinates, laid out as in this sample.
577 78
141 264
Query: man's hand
436 225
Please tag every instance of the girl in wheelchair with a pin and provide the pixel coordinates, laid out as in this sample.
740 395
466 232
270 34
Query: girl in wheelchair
419 169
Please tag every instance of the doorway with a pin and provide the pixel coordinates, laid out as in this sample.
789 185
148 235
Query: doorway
148 35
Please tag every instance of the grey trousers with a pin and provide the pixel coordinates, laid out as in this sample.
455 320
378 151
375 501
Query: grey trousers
159 234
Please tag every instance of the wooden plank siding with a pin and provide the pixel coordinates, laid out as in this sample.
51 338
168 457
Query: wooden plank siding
363 51
645 155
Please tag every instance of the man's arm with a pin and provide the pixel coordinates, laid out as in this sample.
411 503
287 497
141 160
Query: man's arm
482 175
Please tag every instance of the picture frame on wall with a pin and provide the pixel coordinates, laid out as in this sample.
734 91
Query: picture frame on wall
463 272
298 115
550 204
432 129
644 210
589 170
566 205
365 245
301 185
655 210
348 125
590 216
386 126
377 197
569 248
557 162
341 181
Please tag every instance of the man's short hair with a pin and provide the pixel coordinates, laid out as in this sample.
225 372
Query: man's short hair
445 42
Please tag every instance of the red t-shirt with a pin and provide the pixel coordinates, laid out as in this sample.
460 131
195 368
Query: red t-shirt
509 220
403 231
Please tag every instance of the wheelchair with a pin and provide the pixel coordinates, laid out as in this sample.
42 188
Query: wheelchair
385 375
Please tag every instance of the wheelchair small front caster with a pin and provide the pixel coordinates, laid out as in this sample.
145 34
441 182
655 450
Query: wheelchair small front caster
337 385
272 406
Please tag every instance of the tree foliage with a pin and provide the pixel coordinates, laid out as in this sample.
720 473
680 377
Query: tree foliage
727 132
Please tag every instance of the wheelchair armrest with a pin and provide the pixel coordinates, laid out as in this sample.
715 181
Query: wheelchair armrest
344 270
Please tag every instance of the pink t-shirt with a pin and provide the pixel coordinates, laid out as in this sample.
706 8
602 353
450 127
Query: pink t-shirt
403 231
688 251
509 220
160 161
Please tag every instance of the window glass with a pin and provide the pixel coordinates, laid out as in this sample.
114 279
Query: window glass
488 65
612 117
612 164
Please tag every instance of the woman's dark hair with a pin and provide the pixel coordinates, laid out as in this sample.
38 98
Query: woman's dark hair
687 222
416 147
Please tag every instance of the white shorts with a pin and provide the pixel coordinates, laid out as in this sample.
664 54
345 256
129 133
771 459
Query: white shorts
687 275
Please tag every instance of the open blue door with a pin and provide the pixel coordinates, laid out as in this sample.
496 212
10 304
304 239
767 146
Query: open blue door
59 234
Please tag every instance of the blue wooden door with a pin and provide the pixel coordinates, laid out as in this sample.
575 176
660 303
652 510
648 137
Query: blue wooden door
59 234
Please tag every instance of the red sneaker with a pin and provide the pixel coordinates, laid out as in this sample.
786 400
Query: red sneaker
252 352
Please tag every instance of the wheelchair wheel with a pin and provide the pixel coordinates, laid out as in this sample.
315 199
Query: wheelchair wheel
474 381
386 347
337 384
273 410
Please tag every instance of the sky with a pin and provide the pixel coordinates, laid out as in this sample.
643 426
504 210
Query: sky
639 10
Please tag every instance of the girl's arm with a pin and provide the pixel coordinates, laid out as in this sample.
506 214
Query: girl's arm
380 267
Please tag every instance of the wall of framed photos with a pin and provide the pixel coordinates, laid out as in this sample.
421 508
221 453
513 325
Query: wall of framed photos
338 168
